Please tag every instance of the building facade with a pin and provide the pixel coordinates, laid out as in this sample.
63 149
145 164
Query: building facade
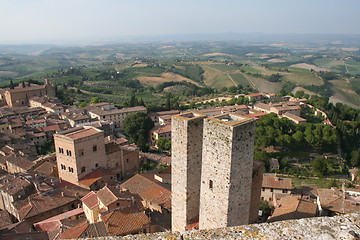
186 154
20 96
79 151
226 174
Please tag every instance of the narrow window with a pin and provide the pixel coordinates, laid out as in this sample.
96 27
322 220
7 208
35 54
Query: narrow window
96 165
81 152
211 184
83 169
127 160
94 148
59 149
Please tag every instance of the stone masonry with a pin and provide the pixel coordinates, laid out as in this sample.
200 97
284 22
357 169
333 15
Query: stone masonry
345 227
227 166
187 135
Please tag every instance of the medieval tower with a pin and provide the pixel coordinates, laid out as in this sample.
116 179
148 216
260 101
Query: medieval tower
187 132
227 167
214 179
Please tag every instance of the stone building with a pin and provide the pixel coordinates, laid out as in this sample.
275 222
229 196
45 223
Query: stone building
20 96
214 179
226 174
108 112
79 151
82 151
160 131
273 185
186 157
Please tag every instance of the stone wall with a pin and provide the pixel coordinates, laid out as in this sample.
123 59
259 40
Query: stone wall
321 228
227 168
187 136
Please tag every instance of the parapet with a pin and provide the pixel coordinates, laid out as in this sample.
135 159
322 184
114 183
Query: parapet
327 228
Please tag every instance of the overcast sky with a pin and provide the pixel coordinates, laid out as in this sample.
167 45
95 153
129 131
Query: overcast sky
32 21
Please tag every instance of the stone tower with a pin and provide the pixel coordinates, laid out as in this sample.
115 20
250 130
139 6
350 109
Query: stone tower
186 157
79 151
227 167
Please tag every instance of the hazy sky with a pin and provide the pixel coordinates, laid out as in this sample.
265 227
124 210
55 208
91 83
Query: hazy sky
45 20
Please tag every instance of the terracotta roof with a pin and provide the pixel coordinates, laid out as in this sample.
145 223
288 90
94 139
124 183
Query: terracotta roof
293 207
90 200
51 128
149 190
92 177
15 185
62 216
294 117
44 202
25 89
21 162
75 232
106 196
46 168
255 94
276 182
82 133
263 106
162 129
119 223
5 219
114 223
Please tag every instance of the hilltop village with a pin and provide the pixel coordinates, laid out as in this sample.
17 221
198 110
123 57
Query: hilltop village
69 172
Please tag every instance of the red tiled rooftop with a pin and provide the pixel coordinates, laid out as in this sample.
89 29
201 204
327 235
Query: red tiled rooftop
162 129
119 223
92 177
150 190
82 133
90 200
276 182
255 94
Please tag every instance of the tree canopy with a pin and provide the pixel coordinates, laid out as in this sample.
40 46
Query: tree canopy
137 126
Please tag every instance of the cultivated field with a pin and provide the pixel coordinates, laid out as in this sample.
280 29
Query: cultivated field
309 67
165 77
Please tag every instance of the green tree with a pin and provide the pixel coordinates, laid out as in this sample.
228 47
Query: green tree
320 166
168 103
163 144
83 104
298 136
137 126
12 85
299 94
355 158
94 100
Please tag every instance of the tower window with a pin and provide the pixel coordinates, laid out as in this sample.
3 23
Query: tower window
96 165
94 148
83 169
211 184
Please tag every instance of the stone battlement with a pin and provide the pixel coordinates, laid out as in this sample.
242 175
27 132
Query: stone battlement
325 228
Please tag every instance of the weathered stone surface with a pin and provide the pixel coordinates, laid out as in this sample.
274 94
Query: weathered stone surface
186 158
226 180
321 228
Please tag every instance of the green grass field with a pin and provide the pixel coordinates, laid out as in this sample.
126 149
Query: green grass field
301 76
239 78
250 69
